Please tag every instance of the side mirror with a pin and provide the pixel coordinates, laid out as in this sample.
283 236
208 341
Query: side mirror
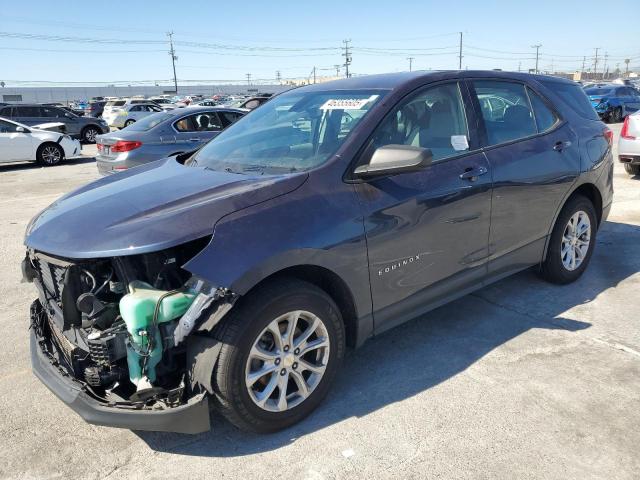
21 130
394 159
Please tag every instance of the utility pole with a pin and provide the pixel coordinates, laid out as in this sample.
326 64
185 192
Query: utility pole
278 76
519 66
314 75
584 59
174 57
347 57
460 54
411 59
605 69
337 67
537 47
595 65
248 75
626 69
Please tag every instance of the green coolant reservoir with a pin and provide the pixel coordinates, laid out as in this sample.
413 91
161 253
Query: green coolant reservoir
137 309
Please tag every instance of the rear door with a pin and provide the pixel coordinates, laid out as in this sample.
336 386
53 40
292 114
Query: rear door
535 159
29 115
427 231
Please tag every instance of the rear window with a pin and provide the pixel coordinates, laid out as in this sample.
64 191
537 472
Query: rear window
147 123
115 103
575 97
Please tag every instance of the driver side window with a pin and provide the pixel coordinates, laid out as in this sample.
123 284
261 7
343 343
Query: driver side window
433 119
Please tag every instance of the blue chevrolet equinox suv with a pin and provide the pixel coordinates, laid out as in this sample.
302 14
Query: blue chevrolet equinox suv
237 275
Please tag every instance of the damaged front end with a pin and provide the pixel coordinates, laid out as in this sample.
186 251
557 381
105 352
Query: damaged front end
126 341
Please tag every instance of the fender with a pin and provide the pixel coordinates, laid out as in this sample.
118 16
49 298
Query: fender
307 227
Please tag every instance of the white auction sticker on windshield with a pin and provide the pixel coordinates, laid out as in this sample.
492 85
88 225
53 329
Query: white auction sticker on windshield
347 103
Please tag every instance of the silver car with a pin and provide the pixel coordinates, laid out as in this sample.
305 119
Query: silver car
629 144
161 135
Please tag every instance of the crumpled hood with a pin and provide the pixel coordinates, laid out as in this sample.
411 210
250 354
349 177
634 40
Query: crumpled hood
149 208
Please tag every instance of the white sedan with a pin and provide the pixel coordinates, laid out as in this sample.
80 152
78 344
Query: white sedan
126 115
19 143
629 144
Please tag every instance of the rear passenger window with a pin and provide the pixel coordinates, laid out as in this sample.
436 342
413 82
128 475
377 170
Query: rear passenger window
433 119
545 117
574 96
505 110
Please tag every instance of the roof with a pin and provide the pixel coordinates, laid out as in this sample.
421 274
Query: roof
391 81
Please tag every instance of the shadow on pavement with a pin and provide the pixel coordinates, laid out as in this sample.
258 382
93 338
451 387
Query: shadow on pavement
427 351
10 167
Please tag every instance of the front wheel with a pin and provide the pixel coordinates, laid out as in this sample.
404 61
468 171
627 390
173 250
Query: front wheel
632 169
572 242
49 154
282 348
616 115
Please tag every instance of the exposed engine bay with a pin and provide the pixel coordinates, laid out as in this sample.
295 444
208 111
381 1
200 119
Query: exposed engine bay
122 327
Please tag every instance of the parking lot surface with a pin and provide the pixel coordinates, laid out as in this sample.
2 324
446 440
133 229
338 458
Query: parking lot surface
520 380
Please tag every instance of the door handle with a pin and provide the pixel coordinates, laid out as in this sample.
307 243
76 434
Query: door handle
559 146
472 174
194 139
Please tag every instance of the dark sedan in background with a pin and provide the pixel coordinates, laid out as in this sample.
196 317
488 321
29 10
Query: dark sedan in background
162 135
614 102
83 128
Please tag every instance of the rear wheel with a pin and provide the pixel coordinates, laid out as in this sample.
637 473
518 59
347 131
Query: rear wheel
572 242
49 154
129 122
632 169
282 348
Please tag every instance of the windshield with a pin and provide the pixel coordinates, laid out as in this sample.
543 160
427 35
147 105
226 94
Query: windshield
148 122
294 131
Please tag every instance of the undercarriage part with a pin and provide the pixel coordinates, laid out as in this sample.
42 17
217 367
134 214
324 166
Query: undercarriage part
99 377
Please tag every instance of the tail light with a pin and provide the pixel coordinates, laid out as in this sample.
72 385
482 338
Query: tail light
624 133
100 147
608 134
125 146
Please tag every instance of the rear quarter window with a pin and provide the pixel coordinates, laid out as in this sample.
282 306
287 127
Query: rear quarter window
575 97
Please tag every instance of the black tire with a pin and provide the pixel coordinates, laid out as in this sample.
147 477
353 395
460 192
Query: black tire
616 115
49 154
632 169
241 329
129 122
89 134
552 268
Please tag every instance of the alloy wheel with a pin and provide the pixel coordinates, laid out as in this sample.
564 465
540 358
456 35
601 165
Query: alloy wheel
51 155
576 240
90 135
287 361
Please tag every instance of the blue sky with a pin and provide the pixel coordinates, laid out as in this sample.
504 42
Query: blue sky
126 41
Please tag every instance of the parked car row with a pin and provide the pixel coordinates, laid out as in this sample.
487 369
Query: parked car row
54 117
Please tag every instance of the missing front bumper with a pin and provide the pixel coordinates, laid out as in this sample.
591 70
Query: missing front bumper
192 417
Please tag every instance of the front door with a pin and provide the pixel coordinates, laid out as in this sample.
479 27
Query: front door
427 231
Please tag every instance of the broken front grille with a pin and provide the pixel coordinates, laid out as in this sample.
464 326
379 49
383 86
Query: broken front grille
52 278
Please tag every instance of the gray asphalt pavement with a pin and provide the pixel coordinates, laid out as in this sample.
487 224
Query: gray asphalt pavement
520 380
